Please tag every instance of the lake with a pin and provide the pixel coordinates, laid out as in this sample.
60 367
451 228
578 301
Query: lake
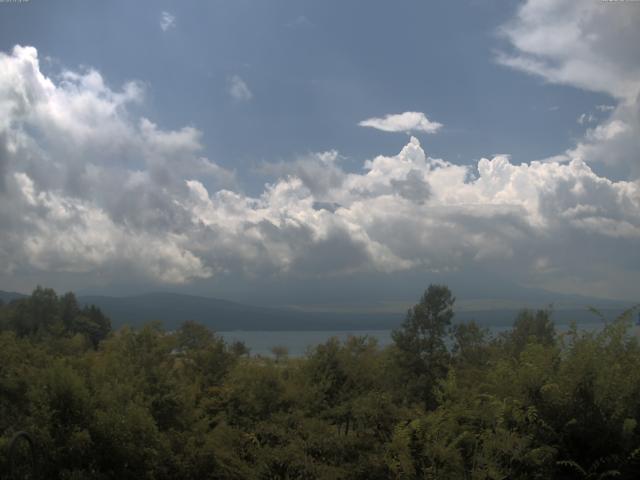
297 342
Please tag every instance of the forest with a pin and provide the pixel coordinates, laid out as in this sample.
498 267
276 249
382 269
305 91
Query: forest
445 401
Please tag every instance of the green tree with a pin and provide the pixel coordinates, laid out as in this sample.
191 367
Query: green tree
280 353
530 326
470 343
36 313
420 343
92 323
69 310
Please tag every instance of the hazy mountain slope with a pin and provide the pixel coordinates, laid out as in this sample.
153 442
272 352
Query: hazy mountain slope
7 297
172 309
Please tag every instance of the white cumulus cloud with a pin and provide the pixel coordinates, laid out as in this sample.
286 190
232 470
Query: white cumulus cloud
403 122
591 46
588 45
85 185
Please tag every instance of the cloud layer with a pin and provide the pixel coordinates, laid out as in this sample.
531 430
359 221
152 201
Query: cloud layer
87 187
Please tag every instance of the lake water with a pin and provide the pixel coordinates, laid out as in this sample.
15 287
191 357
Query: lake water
297 342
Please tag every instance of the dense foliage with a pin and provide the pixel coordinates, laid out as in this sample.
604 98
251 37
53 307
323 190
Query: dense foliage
445 401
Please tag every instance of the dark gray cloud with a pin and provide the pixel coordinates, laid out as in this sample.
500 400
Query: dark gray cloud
413 187
4 160
319 172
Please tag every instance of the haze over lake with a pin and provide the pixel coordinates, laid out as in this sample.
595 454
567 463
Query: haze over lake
298 343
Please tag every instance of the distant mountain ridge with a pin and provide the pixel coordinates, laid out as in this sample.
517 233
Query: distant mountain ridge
7 297
172 309
222 315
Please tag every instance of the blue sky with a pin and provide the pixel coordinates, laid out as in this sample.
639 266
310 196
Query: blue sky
270 92
315 69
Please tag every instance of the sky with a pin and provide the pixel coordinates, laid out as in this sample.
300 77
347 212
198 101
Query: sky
293 152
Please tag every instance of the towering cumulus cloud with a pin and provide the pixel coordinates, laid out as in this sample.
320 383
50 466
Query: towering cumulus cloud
87 187
84 185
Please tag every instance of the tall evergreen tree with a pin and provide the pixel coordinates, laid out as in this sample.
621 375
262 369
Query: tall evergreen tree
421 349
